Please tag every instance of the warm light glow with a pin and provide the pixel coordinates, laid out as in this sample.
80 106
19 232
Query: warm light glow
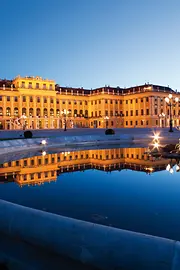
176 99
156 145
43 153
168 167
170 96
156 136
43 142
167 99
171 170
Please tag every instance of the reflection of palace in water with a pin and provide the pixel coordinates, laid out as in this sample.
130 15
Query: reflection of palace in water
40 169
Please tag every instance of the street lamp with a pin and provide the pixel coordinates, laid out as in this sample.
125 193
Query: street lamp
65 113
106 118
170 103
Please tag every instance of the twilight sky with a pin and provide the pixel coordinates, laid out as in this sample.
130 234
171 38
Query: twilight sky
90 43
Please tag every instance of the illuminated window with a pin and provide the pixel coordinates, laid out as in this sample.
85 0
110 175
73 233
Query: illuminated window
31 111
8 111
51 112
16 112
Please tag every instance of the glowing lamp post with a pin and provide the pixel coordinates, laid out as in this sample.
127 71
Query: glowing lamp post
170 103
65 113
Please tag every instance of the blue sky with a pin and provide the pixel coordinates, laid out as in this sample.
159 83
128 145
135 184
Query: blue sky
90 43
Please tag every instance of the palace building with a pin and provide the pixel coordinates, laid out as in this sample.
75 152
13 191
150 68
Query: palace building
39 169
37 103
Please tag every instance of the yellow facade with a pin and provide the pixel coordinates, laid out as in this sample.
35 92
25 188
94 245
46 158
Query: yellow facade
39 169
36 103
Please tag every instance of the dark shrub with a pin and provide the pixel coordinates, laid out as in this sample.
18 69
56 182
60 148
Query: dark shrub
28 134
109 131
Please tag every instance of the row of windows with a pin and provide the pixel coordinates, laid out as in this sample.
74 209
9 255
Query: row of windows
82 156
39 175
24 111
37 85
38 100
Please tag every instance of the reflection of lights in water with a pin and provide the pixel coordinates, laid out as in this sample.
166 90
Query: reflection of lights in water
150 169
43 153
171 170
168 167
43 142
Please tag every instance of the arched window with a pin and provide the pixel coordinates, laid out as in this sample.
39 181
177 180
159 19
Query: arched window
70 113
75 113
86 113
16 112
23 111
30 111
45 112
51 112
81 112
57 112
1 111
38 112
8 111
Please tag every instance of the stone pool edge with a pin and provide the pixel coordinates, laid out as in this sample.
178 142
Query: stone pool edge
97 245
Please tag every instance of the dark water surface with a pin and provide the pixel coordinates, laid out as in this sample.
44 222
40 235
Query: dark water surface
125 198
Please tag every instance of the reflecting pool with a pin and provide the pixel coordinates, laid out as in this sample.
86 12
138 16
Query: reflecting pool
120 187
